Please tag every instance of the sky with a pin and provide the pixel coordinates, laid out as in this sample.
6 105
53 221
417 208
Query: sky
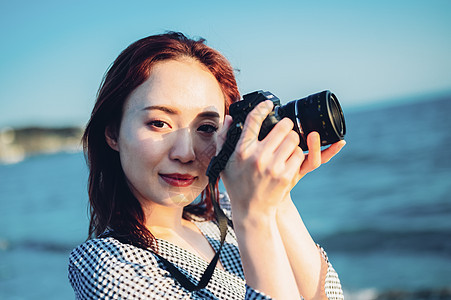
54 54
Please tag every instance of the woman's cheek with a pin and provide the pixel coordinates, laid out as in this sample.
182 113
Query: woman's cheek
206 150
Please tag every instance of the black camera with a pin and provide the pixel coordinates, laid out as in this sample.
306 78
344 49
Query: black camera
320 112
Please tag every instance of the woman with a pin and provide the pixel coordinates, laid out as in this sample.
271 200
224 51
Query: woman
160 115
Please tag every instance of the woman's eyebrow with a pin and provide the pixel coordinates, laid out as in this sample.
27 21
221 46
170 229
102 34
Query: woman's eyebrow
169 110
208 114
175 111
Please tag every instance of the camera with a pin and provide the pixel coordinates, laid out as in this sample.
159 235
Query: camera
320 112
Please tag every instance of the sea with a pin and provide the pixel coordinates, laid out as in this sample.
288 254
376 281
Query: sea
381 209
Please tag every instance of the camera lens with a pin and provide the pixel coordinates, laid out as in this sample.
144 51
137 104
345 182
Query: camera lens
319 112
336 114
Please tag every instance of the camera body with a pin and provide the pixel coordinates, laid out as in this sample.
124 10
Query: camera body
320 112
239 110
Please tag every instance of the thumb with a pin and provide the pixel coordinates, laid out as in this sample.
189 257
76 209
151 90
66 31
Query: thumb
222 134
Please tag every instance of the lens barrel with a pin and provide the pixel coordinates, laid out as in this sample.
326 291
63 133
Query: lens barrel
320 112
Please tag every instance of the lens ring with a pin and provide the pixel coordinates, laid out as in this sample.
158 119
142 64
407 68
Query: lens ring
336 115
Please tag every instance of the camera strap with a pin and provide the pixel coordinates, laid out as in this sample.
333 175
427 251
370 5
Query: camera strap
175 272
208 273
219 162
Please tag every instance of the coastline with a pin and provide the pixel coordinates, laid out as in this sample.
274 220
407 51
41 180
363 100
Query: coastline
16 144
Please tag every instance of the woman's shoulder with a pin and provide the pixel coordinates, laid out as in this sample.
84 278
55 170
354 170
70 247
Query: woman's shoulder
105 268
107 251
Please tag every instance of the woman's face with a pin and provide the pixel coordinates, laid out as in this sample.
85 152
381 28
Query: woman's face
168 132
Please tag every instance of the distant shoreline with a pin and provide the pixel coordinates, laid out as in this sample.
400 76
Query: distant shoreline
18 143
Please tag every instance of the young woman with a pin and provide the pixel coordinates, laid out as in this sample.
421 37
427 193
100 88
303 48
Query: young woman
160 116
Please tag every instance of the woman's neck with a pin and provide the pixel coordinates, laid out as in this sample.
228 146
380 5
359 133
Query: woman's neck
160 216
166 223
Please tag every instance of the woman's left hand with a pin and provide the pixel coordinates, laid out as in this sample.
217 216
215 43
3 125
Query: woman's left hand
316 157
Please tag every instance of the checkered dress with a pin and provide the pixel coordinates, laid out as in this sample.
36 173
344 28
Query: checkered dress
105 268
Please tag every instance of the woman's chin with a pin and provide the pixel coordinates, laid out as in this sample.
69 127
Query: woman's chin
180 199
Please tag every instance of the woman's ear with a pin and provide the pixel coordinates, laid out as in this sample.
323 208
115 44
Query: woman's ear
111 138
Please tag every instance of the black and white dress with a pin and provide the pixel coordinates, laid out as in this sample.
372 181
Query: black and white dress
105 268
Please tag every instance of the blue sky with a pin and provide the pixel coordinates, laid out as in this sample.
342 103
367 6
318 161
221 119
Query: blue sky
54 53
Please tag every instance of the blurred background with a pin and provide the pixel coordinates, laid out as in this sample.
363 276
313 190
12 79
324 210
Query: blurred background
381 208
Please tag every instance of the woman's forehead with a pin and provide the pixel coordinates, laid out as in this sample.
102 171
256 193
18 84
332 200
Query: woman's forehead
185 85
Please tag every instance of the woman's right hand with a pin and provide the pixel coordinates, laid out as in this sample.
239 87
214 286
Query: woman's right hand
260 173
257 176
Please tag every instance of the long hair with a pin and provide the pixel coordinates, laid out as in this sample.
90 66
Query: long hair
112 204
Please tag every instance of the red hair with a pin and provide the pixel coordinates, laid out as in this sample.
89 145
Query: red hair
112 205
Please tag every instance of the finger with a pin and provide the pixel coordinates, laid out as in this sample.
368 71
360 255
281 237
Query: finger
254 122
278 160
326 155
294 163
286 148
313 158
330 152
279 133
222 134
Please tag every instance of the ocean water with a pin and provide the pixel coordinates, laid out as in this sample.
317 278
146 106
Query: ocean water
381 209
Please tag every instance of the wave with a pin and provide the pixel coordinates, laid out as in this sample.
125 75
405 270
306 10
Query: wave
365 240
371 240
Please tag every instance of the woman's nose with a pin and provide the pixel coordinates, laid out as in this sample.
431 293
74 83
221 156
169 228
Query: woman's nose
183 148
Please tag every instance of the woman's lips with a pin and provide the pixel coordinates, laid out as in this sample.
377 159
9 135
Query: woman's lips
179 180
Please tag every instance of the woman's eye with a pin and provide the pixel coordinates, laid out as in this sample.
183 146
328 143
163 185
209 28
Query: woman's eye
207 128
158 124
